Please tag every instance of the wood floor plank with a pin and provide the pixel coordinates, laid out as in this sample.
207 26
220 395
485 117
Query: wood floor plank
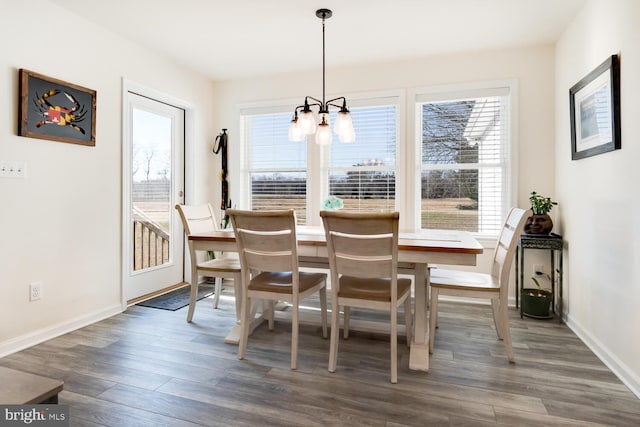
381 400
530 419
283 403
598 414
189 410
107 371
85 410
150 367
534 382
73 381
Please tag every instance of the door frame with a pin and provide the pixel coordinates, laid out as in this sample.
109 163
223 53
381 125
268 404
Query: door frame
189 132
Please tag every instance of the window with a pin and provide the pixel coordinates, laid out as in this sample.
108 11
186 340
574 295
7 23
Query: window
363 174
280 174
464 152
277 168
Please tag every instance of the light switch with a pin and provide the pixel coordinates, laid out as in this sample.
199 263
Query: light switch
11 169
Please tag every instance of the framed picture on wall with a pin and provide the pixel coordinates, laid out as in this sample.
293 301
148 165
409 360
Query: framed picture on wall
595 111
56 110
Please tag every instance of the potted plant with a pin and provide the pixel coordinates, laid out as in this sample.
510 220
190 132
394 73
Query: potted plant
540 222
536 302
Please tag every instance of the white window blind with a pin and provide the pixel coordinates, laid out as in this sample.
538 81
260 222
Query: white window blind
465 152
277 168
363 174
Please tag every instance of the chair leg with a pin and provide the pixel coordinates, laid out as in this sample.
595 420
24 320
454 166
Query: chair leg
294 334
495 307
394 344
323 310
504 328
218 291
237 291
270 316
335 330
407 320
192 298
433 317
245 323
347 312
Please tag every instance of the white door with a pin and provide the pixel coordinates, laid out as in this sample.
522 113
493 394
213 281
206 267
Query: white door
153 178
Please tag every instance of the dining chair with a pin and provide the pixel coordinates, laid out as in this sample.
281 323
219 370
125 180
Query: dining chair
363 259
493 286
268 249
201 219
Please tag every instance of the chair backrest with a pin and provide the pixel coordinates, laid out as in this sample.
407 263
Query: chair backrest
362 244
266 239
197 218
506 246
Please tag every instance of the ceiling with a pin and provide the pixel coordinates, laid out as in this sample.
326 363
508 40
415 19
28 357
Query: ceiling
226 39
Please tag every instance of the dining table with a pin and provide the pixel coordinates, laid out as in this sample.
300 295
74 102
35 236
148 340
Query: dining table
417 252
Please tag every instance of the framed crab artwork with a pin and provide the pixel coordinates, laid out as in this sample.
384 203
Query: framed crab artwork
56 110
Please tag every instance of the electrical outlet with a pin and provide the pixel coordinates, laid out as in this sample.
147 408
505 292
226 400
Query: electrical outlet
35 291
538 269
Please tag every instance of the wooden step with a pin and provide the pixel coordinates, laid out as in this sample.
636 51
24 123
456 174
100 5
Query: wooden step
20 388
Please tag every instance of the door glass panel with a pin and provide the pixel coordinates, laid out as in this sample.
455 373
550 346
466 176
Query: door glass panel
151 188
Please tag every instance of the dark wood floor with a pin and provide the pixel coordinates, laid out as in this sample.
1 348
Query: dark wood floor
149 367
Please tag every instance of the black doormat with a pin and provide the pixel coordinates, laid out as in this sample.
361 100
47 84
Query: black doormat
177 299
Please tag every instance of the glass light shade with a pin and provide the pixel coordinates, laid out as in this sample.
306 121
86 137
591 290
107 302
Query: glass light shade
306 122
324 136
295 134
347 135
343 121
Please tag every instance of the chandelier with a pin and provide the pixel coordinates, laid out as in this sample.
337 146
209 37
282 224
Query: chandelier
304 122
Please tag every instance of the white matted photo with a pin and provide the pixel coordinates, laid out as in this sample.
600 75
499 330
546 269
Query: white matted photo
595 111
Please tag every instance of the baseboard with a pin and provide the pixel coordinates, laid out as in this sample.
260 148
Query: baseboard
620 369
16 344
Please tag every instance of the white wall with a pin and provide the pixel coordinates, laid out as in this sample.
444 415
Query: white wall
61 225
531 67
599 195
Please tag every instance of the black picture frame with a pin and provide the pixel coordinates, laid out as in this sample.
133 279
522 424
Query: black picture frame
56 110
595 111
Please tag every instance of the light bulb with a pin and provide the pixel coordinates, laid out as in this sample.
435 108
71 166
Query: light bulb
307 122
295 134
347 135
324 135
343 121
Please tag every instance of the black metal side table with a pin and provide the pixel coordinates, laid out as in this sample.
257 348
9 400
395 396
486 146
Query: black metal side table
552 242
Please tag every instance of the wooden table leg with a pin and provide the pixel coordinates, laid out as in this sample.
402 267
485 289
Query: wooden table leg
419 354
234 334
